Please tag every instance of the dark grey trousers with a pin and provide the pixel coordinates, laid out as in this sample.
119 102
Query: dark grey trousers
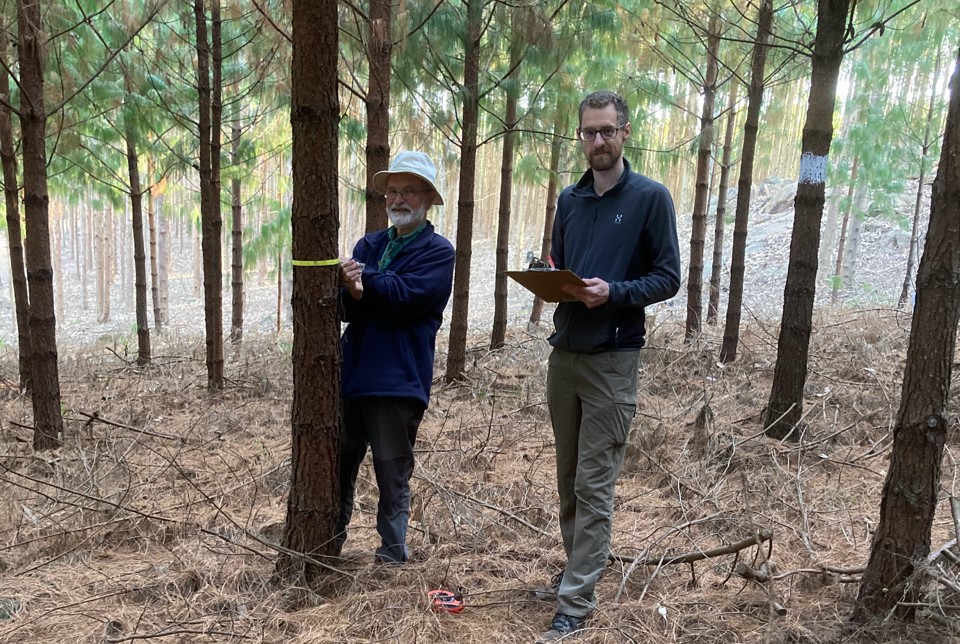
389 426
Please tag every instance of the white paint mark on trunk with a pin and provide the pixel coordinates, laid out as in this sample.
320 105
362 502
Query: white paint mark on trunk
813 169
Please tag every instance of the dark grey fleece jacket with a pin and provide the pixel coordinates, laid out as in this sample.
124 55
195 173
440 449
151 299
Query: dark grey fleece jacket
627 237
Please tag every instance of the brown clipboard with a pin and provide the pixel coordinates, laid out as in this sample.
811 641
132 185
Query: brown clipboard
547 284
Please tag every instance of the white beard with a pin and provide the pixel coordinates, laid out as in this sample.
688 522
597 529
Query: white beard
405 217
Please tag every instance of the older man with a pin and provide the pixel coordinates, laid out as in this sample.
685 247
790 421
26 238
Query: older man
394 291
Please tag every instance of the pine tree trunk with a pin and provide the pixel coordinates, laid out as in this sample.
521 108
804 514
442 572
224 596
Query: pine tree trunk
702 195
236 247
848 267
208 59
457 353
785 406
551 209
718 225
8 158
844 226
86 216
155 203
120 253
499 333
901 541
163 262
829 239
108 265
379 53
139 252
99 257
924 152
731 329
279 291
45 376
314 501
57 257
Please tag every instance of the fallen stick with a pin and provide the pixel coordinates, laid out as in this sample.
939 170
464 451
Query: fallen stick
95 418
764 534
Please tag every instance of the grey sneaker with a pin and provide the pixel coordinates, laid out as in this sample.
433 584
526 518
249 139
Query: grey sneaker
561 627
550 592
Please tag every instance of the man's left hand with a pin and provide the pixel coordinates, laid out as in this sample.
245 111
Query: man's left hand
594 294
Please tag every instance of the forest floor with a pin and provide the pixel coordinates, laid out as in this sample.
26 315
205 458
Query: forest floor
156 521
158 518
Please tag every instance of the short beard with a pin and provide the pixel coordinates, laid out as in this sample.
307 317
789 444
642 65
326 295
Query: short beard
405 217
599 166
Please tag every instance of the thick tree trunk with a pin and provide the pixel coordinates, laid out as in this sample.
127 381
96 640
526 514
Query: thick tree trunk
901 541
457 353
499 333
211 222
379 53
551 209
785 406
45 375
731 329
236 247
713 306
139 252
11 195
702 195
314 501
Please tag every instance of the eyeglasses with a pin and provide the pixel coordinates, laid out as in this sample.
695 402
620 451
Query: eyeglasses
606 133
405 193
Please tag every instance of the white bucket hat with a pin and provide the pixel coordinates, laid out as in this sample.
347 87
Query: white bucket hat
415 163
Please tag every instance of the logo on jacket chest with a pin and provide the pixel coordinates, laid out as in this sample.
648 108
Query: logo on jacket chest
618 218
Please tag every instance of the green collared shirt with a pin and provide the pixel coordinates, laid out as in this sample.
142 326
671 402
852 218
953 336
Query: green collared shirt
396 244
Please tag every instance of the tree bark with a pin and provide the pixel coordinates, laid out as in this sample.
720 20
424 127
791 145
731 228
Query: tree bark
211 222
314 501
379 53
45 376
924 152
139 252
701 198
11 194
236 247
163 261
731 329
785 406
154 201
457 353
902 538
713 306
844 225
499 333
551 209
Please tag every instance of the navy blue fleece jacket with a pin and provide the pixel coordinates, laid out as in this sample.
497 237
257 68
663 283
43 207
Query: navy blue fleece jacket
390 339
627 237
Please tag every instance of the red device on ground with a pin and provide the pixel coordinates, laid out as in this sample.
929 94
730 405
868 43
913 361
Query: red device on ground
446 601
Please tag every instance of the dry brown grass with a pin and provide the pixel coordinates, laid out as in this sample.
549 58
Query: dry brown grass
164 537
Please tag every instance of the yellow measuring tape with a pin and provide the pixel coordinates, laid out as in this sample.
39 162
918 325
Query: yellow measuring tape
316 262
